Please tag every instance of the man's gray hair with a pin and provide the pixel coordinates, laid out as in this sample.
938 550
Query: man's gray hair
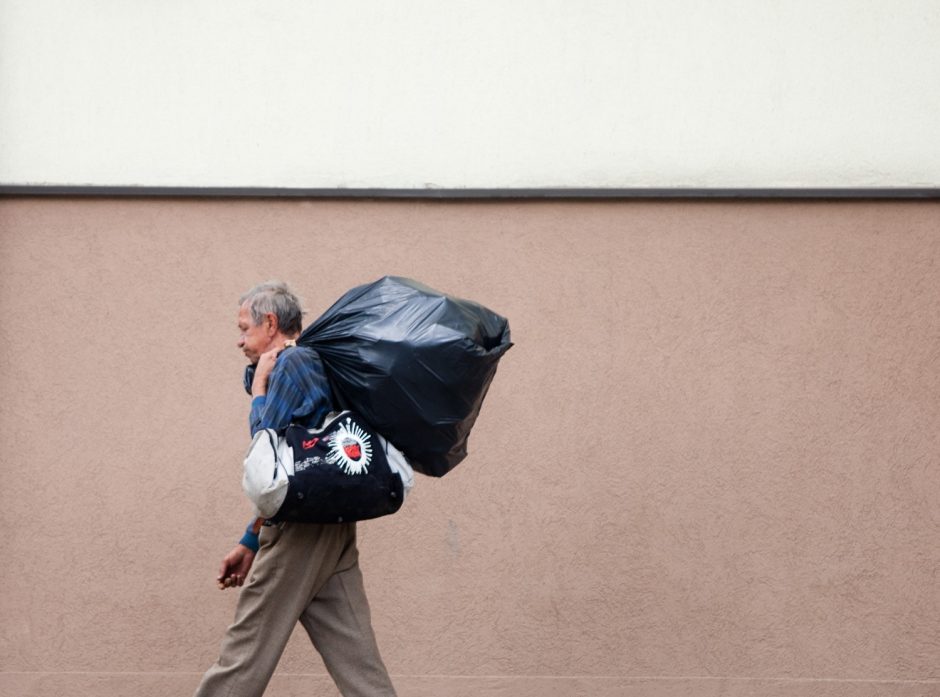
277 298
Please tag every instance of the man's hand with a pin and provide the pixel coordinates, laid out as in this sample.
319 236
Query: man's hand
259 386
235 567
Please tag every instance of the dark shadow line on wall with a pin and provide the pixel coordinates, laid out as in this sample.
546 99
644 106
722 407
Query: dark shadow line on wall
883 193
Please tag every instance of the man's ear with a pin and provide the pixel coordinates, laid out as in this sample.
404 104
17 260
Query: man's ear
271 320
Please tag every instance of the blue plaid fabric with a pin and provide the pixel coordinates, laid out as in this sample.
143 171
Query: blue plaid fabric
298 393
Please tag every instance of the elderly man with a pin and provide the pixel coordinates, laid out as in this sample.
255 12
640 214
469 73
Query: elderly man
292 571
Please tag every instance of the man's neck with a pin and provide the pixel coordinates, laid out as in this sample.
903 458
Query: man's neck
278 341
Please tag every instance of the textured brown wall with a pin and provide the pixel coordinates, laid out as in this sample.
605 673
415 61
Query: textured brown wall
708 467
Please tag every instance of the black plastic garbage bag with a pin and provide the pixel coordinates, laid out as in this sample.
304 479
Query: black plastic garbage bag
414 362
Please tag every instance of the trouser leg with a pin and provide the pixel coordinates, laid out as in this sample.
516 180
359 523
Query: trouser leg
292 565
340 626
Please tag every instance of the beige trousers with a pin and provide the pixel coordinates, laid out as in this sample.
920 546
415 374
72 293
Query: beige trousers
309 573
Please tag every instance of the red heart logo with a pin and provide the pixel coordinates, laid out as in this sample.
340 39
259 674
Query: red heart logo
352 449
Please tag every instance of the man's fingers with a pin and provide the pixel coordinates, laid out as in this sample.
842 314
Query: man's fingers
231 581
235 566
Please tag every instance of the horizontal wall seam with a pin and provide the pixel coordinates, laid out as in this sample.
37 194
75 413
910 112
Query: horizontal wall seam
476 194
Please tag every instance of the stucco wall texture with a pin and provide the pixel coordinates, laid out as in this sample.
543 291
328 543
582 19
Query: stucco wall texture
709 466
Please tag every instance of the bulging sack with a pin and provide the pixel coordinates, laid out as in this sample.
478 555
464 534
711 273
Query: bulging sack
414 362
340 472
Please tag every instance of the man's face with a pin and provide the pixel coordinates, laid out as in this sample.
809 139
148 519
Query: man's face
254 338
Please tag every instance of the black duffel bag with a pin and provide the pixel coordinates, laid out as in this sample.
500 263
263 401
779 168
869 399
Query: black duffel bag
340 472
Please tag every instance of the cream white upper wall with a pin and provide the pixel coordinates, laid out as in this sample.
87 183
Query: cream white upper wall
517 93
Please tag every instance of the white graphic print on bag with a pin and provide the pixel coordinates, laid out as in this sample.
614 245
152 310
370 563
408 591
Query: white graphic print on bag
350 448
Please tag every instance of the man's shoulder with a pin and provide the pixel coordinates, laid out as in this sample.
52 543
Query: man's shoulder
299 369
298 359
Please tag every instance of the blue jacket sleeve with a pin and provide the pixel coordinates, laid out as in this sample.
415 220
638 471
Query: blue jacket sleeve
250 538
